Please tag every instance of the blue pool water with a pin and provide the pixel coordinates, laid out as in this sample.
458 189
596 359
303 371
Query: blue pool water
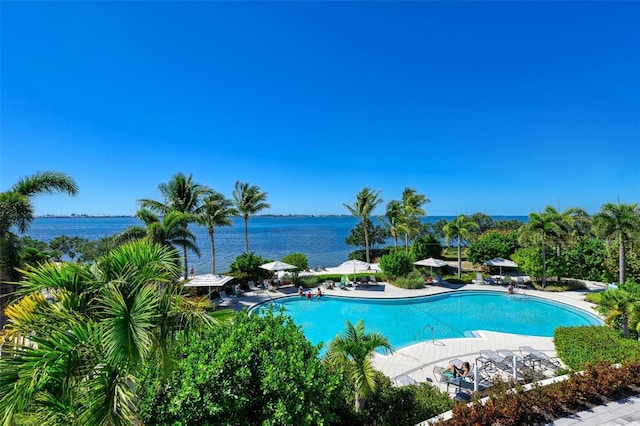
408 321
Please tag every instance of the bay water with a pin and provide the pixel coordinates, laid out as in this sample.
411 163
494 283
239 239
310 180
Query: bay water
321 238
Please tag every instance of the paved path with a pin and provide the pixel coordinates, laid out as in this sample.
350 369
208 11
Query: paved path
415 363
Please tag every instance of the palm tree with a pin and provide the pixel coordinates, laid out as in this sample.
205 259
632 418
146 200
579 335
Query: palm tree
249 200
88 344
620 305
168 232
366 202
180 194
539 227
216 212
412 203
16 209
460 228
356 348
392 219
618 222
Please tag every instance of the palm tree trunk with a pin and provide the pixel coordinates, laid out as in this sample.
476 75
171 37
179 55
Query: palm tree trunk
366 239
459 259
213 251
544 265
360 402
406 243
186 262
621 260
395 240
246 232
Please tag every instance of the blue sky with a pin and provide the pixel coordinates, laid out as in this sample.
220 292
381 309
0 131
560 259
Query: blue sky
498 107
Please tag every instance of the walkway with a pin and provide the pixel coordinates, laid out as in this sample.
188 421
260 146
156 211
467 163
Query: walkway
415 363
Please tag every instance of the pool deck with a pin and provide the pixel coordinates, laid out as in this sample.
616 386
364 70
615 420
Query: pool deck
415 363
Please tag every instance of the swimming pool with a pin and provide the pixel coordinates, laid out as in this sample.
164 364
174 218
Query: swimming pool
450 315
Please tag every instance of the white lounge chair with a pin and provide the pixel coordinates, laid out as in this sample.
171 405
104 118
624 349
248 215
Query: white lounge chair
536 357
479 279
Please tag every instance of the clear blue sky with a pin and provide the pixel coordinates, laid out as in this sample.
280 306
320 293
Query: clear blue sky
498 107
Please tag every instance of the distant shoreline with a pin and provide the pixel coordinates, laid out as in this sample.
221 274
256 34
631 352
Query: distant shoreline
106 216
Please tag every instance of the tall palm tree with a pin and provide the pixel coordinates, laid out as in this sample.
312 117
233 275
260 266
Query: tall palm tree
412 203
460 228
16 209
356 348
391 219
180 194
540 227
168 232
217 211
249 200
366 201
89 342
618 222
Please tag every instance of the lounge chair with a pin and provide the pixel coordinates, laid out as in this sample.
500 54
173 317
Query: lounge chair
372 280
520 282
479 279
439 280
536 357
494 361
442 377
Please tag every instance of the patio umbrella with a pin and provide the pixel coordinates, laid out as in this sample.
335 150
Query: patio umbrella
356 264
277 266
208 280
502 263
432 263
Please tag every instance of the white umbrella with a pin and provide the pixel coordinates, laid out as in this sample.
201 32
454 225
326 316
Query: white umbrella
432 263
355 264
208 280
500 262
277 266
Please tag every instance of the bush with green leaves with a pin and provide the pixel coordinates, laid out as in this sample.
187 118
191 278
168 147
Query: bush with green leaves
297 259
260 371
402 405
412 280
246 267
425 246
578 346
397 263
491 245
584 260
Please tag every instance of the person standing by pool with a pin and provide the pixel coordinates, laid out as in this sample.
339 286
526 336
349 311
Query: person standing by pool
300 291
193 272
318 292
308 294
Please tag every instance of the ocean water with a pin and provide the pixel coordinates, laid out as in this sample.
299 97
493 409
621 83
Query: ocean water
321 238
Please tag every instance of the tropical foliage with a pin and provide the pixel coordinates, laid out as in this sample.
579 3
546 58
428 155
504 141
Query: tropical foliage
354 350
397 263
541 228
75 356
620 223
181 194
246 267
460 229
217 211
16 210
261 371
492 244
425 246
366 201
249 200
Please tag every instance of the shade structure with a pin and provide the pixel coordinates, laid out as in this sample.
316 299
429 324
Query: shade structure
208 280
501 263
277 266
432 263
357 264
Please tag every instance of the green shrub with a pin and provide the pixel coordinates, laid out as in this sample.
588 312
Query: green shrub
403 405
593 297
397 263
297 259
578 346
413 280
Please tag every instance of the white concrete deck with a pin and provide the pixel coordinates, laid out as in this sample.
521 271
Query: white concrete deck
417 361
